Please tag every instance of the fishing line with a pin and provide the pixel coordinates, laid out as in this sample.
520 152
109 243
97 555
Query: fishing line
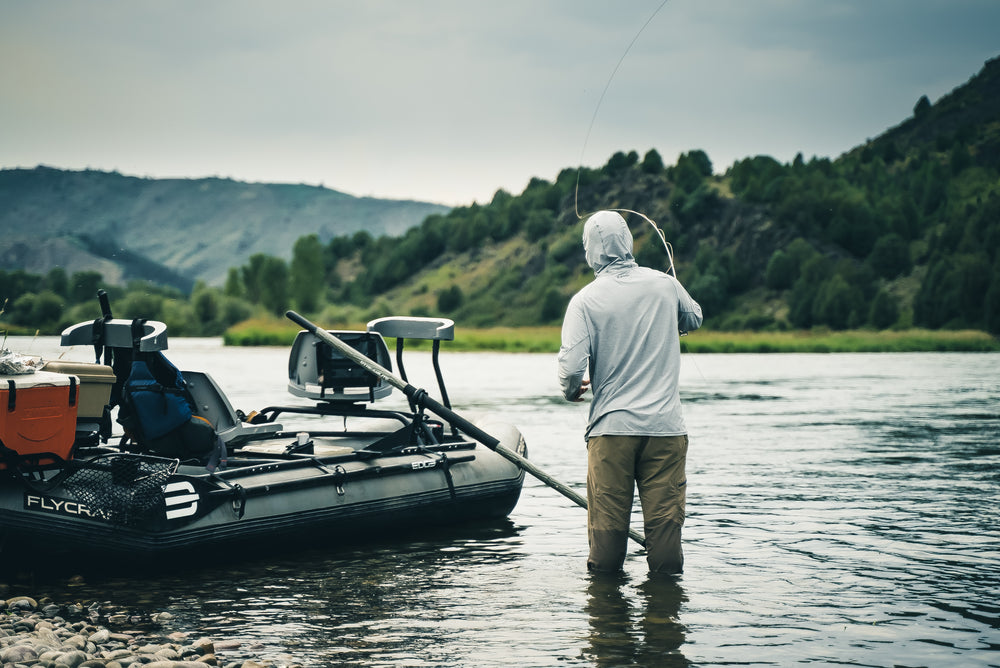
576 195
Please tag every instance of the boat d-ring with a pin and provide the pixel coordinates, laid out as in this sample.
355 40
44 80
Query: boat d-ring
340 473
239 501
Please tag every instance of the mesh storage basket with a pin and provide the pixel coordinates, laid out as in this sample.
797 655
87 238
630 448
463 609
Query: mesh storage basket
121 488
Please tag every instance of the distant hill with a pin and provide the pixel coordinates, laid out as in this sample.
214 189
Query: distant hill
173 231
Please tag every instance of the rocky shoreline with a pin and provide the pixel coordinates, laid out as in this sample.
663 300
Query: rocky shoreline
44 634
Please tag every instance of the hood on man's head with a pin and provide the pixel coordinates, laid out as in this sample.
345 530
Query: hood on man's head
607 240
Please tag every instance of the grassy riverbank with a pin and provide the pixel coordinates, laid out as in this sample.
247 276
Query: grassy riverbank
853 341
546 339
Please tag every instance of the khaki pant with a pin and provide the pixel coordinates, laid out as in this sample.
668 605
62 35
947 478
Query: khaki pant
616 465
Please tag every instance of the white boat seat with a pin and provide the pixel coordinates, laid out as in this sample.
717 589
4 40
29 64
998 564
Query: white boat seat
429 329
401 327
117 333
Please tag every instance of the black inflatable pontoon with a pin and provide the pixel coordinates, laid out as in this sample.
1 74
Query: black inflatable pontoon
345 469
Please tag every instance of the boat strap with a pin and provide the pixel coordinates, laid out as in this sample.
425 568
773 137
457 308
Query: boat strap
239 495
20 465
12 394
97 339
138 330
444 463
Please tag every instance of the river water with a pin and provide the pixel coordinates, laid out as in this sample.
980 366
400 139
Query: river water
842 510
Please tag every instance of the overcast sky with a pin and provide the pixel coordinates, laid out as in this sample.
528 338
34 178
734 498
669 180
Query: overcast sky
450 100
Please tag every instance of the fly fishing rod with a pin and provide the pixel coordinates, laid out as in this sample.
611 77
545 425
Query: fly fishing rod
420 398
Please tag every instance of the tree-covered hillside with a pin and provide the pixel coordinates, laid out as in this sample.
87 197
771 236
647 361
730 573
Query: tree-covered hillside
901 231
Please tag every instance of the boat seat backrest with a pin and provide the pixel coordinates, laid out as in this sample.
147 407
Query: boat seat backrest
118 333
211 403
318 371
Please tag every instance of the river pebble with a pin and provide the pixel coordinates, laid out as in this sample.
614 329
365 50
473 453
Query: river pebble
43 634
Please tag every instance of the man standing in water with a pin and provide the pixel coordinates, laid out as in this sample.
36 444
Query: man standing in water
625 326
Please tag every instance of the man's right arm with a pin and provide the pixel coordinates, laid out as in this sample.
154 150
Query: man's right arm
574 354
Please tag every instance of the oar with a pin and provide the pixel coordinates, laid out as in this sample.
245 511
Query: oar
421 398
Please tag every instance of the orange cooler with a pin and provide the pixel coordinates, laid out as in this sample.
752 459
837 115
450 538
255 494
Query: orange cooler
38 414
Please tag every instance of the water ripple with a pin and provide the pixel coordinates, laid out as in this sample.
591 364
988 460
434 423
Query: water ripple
842 510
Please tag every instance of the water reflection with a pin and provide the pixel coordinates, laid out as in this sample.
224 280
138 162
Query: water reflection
843 509
641 629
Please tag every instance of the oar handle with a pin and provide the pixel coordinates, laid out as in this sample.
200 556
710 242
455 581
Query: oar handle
420 397
102 297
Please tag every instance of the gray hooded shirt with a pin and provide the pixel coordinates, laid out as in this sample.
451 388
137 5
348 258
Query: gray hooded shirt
624 327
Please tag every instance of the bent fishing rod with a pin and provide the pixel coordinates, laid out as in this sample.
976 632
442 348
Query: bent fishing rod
420 397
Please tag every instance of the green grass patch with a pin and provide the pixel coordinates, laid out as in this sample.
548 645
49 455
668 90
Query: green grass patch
507 339
261 332
853 341
279 332
276 332
17 330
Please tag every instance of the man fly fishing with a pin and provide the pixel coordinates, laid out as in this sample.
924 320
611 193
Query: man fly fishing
620 337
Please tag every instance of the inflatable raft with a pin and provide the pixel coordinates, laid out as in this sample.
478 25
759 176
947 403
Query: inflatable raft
211 478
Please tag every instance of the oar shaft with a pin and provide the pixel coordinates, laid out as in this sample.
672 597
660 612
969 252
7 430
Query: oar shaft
556 485
421 398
